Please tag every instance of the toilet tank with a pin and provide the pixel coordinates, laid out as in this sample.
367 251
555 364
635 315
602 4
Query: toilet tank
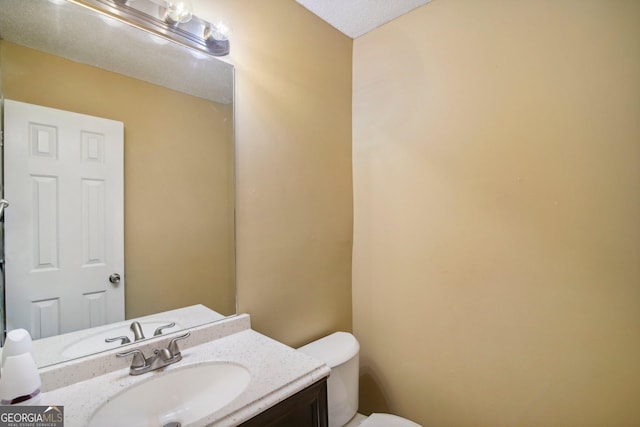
340 352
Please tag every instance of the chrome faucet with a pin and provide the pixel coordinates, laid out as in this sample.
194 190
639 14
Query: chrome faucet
160 359
137 331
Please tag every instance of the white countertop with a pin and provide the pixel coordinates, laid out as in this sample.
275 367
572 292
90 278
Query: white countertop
277 372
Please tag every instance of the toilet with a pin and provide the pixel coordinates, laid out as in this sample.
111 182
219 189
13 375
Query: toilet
340 351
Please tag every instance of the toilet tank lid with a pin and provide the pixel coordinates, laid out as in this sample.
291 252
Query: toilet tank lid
334 349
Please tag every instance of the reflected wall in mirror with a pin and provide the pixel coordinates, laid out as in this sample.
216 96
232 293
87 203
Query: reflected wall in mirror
177 109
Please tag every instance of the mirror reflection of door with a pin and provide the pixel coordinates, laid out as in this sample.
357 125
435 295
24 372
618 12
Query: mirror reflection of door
64 236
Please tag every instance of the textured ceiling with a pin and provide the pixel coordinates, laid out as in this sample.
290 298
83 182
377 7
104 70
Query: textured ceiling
357 17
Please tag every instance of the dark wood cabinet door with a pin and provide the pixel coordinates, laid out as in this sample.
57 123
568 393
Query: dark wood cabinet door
307 408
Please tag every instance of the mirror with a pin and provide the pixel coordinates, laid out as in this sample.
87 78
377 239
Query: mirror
176 105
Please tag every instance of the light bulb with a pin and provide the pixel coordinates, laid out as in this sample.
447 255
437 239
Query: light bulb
217 32
179 11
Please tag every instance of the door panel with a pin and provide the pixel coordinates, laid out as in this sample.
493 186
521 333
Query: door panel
64 235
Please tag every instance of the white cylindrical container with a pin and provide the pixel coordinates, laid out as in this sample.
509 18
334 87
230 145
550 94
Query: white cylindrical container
18 342
20 382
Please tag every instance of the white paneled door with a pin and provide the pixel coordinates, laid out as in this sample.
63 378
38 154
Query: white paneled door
64 232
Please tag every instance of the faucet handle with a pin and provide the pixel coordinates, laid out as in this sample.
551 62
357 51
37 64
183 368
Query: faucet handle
173 344
159 329
139 361
123 340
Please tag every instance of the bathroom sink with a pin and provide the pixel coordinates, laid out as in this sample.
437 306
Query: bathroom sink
182 395
95 342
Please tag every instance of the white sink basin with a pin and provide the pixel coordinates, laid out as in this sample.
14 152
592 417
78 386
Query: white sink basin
183 395
95 342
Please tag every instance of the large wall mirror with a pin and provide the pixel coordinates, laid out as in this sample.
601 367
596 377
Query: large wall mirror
176 109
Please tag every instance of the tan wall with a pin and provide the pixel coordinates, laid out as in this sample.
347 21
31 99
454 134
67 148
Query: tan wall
294 188
178 177
496 272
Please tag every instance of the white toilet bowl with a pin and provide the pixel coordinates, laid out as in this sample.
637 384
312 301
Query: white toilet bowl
340 351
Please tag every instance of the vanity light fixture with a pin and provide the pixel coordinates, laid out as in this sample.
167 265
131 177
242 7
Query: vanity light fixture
171 19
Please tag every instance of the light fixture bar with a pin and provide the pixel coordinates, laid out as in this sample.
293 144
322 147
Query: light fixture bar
151 16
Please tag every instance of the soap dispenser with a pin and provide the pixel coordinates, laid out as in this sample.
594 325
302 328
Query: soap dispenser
20 381
18 342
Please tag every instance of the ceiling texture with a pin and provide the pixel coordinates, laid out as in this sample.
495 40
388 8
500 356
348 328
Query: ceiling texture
357 17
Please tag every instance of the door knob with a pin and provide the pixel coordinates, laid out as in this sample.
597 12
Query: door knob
114 278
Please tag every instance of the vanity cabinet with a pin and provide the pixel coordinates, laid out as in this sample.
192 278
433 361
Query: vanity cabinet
307 408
